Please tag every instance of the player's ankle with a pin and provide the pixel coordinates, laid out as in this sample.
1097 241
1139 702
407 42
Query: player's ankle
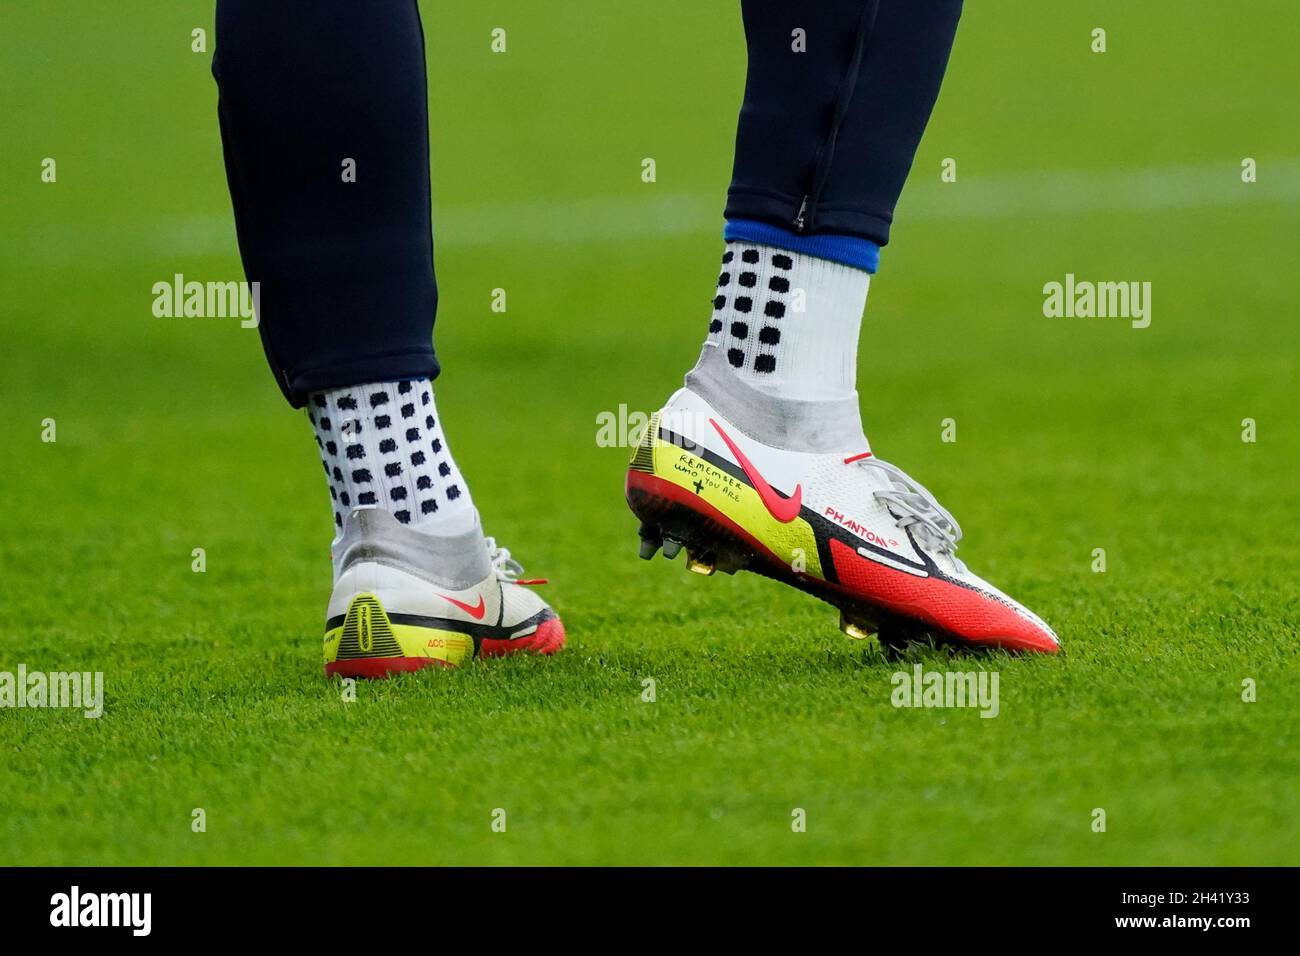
382 446
826 425
788 308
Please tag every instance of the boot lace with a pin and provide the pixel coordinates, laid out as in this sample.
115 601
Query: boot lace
915 508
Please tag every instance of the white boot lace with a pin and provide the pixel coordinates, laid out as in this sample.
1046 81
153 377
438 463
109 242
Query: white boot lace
505 567
914 507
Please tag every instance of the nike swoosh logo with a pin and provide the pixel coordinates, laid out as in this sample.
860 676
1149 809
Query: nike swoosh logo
475 612
782 509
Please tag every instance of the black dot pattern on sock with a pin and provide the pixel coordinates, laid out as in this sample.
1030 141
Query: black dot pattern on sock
384 467
761 270
774 309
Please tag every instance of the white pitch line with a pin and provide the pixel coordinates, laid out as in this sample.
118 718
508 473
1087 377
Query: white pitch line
1076 192
655 212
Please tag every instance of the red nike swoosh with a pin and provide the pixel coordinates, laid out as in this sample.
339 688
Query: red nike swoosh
475 612
782 509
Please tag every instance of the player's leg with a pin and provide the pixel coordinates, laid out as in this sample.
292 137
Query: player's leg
760 462
325 132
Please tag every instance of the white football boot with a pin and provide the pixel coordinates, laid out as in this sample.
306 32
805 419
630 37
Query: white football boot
404 600
797 495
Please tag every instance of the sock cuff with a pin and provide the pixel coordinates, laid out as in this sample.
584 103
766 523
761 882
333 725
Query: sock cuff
851 251
788 322
382 446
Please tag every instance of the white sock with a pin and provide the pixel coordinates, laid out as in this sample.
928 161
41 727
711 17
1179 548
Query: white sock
788 323
382 444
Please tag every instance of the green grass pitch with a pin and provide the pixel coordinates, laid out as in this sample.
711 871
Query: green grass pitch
1072 435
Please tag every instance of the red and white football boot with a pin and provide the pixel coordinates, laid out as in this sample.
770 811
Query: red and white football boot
797 494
